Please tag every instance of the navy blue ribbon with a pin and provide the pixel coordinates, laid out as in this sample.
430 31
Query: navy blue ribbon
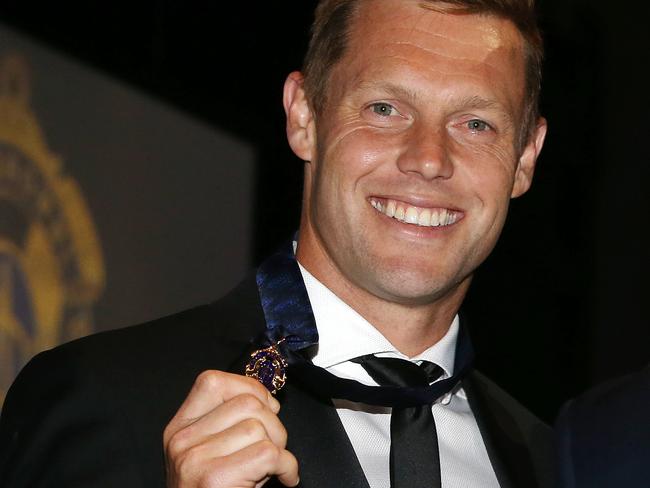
289 316
285 301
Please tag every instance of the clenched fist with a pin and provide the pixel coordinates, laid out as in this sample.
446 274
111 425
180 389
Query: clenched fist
226 434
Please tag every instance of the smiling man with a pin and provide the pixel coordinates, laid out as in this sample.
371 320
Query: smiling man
417 122
411 162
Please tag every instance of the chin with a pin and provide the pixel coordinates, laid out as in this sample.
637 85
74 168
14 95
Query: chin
414 287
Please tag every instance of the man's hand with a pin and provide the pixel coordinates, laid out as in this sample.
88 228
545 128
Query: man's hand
227 435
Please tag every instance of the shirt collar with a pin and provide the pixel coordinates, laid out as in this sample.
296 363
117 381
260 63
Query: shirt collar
344 334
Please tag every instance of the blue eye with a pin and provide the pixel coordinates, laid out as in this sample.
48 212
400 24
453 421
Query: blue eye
384 109
476 125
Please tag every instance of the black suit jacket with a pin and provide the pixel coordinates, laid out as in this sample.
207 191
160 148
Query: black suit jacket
604 435
92 412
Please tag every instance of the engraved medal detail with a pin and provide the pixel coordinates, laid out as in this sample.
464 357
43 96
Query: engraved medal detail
268 367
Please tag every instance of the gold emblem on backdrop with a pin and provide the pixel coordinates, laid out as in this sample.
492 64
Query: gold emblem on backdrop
51 266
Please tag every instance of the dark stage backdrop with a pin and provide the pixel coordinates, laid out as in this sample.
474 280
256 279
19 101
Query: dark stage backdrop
560 305
114 207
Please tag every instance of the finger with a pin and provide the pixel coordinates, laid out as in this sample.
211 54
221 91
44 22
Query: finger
252 465
229 441
211 389
243 409
242 455
287 469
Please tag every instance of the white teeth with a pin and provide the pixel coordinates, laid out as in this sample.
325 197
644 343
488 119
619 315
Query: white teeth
412 215
423 217
390 208
435 218
443 217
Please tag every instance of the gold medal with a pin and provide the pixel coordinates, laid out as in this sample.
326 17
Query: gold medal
268 366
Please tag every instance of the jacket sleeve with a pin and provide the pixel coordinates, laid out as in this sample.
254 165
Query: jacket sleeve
60 427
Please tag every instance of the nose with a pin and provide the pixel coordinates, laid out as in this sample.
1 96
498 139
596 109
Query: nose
426 155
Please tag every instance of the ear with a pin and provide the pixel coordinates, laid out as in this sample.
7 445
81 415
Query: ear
527 160
301 131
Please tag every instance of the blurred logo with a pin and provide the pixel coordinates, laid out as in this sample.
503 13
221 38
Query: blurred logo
51 266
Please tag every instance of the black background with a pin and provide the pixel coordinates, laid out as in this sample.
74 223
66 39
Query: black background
560 304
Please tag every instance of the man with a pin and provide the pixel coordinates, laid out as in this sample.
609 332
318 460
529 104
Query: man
417 122
604 435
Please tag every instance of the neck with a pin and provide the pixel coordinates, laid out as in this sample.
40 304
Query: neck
412 327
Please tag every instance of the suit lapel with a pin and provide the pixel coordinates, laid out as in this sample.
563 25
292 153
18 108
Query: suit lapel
319 442
315 433
506 446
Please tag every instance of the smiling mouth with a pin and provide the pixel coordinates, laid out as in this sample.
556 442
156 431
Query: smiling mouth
408 214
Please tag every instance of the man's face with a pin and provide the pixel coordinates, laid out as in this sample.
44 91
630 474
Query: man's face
413 160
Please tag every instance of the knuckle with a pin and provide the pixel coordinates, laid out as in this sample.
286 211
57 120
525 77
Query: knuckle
248 403
182 464
188 459
178 441
267 451
253 429
283 436
209 380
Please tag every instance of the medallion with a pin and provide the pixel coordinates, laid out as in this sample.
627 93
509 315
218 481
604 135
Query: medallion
268 366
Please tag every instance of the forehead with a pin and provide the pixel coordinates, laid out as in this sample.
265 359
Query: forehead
409 35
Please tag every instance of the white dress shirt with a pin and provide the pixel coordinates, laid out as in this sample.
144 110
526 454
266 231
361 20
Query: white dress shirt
345 335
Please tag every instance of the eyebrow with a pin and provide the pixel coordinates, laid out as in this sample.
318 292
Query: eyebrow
389 88
478 102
